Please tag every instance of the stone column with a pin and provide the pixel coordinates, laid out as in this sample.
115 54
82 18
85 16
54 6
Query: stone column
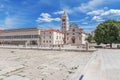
87 46
26 43
38 43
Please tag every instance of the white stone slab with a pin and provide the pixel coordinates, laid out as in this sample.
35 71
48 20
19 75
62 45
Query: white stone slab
15 77
106 66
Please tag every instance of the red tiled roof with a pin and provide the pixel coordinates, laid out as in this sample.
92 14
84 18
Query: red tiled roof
1 30
51 30
81 28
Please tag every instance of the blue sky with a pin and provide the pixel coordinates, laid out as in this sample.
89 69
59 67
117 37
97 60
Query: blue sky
46 13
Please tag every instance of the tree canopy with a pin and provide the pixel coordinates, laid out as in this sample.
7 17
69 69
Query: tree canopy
90 38
108 32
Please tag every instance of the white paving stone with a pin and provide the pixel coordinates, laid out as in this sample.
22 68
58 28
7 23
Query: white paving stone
15 77
20 64
105 66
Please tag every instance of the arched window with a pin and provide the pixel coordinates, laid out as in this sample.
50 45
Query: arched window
63 19
73 30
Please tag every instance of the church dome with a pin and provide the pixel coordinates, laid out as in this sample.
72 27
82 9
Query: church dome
73 25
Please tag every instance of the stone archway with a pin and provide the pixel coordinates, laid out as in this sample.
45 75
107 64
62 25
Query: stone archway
73 40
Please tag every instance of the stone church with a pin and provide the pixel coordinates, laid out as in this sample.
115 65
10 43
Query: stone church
72 34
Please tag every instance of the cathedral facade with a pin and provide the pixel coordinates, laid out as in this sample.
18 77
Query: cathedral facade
72 34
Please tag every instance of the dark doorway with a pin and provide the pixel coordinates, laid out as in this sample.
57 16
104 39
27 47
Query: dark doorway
73 40
33 42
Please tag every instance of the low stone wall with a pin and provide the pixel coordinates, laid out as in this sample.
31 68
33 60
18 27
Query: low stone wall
75 49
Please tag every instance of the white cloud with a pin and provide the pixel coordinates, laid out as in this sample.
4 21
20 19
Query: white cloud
91 5
58 12
45 17
84 7
114 12
100 15
97 12
97 18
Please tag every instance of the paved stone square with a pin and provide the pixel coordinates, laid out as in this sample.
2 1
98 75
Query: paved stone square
104 65
20 64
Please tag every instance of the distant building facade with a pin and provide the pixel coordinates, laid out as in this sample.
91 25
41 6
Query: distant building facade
51 37
72 34
20 36
75 35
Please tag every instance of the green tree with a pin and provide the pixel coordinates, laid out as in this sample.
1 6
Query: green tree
90 38
108 32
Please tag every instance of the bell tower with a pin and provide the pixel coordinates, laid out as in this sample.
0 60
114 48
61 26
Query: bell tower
64 22
64 25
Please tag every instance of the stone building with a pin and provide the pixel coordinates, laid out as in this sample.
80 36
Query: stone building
75 35
51 37
72 34
31 36
23 36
